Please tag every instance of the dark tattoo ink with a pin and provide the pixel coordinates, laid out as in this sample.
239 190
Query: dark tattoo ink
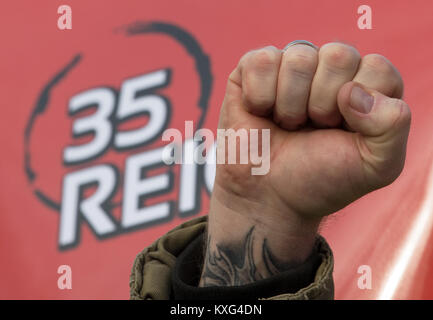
233 264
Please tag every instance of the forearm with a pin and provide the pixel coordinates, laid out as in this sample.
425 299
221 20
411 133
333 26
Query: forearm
246 242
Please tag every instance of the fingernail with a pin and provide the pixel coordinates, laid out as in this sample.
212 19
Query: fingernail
360 100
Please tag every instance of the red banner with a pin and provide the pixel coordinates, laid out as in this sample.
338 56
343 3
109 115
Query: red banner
89 87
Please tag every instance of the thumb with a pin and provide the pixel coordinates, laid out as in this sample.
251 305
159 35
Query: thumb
381 126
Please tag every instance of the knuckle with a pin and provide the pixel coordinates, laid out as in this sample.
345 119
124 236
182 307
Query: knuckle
320 111
339 56
259 77
382 67
290 121
301 61
404 115
380 64
293 115
264 60
255 99
392 166
398 117
329 117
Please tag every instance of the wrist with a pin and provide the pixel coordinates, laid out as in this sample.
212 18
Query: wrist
244 231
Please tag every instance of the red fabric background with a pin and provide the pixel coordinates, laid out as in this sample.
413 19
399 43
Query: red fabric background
371 231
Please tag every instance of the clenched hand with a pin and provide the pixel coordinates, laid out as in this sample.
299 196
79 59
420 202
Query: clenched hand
338 130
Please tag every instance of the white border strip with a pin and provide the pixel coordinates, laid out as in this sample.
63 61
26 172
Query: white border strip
416 240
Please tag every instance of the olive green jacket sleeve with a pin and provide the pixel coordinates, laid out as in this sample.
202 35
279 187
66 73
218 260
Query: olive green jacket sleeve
151 272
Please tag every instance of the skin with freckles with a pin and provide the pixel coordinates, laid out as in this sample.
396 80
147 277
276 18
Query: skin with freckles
338 131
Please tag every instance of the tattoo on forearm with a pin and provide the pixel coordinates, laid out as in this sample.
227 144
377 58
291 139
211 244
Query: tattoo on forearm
232 264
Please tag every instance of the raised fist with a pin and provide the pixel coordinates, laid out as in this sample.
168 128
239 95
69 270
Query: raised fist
338 128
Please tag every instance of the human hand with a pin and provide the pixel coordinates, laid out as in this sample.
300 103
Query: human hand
338 130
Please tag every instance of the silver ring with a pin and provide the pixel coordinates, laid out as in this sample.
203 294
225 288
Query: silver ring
308 43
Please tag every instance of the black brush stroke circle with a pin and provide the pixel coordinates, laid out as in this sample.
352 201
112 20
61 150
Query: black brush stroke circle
183 37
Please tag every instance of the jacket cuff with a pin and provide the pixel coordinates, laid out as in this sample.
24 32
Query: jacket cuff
151 274
187 271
